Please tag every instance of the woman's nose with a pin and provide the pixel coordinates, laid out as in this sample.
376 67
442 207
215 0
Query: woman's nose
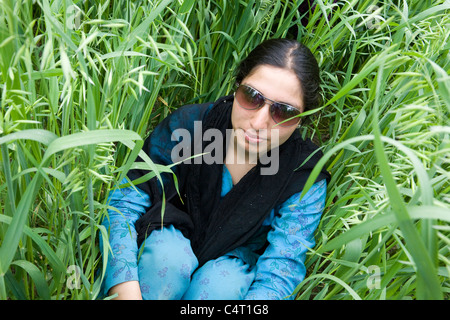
261 117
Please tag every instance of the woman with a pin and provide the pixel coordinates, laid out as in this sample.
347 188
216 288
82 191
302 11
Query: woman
230 229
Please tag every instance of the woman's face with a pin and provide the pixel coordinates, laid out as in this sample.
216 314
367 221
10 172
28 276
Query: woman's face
255 130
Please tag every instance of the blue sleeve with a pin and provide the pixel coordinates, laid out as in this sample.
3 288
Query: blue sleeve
129 204
281 267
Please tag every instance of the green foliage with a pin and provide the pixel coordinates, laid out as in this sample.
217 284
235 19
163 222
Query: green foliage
84 82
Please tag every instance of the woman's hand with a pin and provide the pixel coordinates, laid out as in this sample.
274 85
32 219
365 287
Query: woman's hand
129 290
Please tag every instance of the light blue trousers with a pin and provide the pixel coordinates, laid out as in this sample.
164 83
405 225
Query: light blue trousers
168 271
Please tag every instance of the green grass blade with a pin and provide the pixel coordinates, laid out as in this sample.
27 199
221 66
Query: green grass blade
43 136
385 221
89 138
429 286
15 229
37 276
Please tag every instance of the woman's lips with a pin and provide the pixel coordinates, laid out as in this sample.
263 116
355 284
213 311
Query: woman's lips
253 138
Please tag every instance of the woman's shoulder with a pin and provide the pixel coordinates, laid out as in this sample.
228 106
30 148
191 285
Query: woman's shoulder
183 118
187 115
192 112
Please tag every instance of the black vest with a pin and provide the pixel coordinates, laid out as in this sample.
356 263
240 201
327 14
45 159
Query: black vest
218 225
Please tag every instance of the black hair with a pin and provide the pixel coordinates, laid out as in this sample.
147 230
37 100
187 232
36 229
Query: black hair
287 54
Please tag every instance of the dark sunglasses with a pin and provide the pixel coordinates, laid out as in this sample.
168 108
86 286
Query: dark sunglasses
251 99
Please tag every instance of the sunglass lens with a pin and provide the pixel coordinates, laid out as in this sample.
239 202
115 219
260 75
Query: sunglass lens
281 112
249 98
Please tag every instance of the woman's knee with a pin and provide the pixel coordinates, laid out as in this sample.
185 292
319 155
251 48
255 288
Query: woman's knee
226 278
168 247
166 264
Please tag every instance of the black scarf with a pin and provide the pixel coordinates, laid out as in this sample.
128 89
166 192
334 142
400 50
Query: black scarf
217 225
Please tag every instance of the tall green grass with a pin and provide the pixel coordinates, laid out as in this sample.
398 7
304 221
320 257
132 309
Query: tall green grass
83 83
387 148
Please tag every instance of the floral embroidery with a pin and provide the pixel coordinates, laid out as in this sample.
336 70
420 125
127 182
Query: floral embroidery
185 271
204 295
168 290
224 273
162 273
144 287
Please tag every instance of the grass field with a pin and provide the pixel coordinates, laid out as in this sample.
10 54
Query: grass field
84 82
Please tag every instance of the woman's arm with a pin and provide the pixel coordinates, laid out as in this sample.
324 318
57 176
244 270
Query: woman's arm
281 267
129 290
129 204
